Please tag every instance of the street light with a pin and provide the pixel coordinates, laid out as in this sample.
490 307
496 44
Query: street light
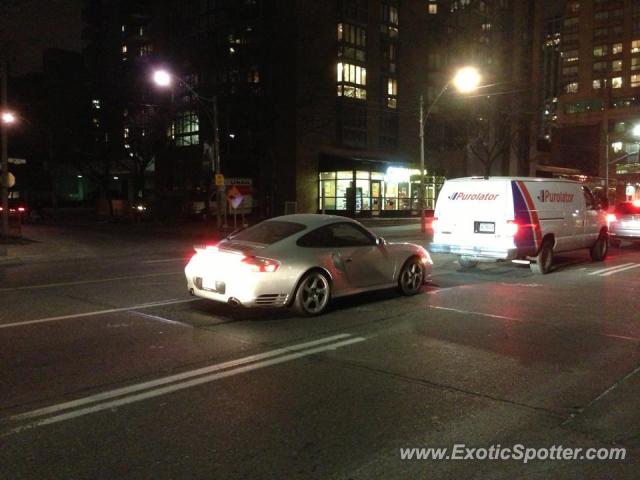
465 80
163 78
8 118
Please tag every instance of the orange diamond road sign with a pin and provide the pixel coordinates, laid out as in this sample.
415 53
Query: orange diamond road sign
234 197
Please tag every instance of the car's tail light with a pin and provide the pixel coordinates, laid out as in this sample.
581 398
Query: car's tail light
611 217
512 228
258 264
21 209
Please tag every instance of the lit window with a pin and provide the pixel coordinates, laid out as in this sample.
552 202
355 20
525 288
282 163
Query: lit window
600 50
124 49
392 93
352 80
616 48
635 81
433 8
616 66
616 82
123 28
187 129
597 84
635 46
571 87
253 76
635 63
141 31
570 56
95 104
125 132
616 146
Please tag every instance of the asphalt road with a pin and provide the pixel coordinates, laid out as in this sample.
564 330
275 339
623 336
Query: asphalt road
108 369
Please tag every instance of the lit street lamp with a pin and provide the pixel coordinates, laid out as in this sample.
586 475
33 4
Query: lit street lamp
8 118
466 80
165 79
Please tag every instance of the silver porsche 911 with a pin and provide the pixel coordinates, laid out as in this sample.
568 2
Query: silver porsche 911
304 261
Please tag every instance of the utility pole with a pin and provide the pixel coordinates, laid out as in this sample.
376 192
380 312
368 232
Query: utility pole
423 227
216 161
4 181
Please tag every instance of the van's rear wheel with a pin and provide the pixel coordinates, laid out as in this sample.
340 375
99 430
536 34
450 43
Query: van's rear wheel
600 249
467 263
544 259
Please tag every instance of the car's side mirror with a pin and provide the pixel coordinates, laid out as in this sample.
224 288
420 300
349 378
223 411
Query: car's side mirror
380 241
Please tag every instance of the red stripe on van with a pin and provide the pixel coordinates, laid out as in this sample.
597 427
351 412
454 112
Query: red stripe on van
535 220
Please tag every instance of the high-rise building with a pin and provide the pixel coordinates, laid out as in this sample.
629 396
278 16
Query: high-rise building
317 102
599 97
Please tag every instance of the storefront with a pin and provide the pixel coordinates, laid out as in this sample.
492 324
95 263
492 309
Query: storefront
372 188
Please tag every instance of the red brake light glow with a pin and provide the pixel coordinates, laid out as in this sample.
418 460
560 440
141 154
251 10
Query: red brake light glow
257 264
512 228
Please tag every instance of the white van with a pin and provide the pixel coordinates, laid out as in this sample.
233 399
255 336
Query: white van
525 220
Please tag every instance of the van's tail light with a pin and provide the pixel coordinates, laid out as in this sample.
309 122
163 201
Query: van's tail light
258 264
512 228
611 217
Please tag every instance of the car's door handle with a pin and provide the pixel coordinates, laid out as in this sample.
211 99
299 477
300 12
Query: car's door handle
348 260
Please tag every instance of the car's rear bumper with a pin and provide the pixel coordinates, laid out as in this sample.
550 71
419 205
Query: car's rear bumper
617 233
248 290
478 253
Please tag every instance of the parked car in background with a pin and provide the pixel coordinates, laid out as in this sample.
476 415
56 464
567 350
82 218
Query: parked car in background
624 223
304 261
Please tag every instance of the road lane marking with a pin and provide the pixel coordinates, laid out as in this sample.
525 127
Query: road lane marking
603 270
87 282
97 312
304 352
620 270
167 260
174 378
160 319
467 312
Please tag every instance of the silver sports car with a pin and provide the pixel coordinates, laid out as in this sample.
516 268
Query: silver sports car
304 261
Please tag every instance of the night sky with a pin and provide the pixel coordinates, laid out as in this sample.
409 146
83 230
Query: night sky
28 27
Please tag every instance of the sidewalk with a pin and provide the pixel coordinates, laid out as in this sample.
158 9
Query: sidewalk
92 238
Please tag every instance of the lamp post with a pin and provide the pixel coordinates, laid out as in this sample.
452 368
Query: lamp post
465 80
6 119
165 79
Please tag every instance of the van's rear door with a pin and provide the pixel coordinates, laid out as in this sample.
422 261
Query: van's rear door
475 212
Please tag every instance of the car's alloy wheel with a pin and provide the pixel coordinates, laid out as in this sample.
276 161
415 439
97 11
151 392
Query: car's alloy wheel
411 277
600 249
313 294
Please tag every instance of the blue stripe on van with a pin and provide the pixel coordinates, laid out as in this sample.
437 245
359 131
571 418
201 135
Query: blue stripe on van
525 239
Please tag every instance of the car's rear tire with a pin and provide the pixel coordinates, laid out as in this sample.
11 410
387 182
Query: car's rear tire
466 263
411 277
600 248
544 259
313 294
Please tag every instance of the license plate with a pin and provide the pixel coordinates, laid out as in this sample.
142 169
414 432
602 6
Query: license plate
484 227
213 285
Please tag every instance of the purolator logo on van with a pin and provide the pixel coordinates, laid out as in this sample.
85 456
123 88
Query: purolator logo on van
561 197
473 196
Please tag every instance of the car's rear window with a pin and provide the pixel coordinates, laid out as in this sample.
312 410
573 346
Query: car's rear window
627 208
269 232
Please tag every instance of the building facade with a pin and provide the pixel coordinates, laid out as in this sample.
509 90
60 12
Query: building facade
598 105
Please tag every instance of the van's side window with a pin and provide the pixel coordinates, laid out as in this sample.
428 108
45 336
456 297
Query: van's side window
589 199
